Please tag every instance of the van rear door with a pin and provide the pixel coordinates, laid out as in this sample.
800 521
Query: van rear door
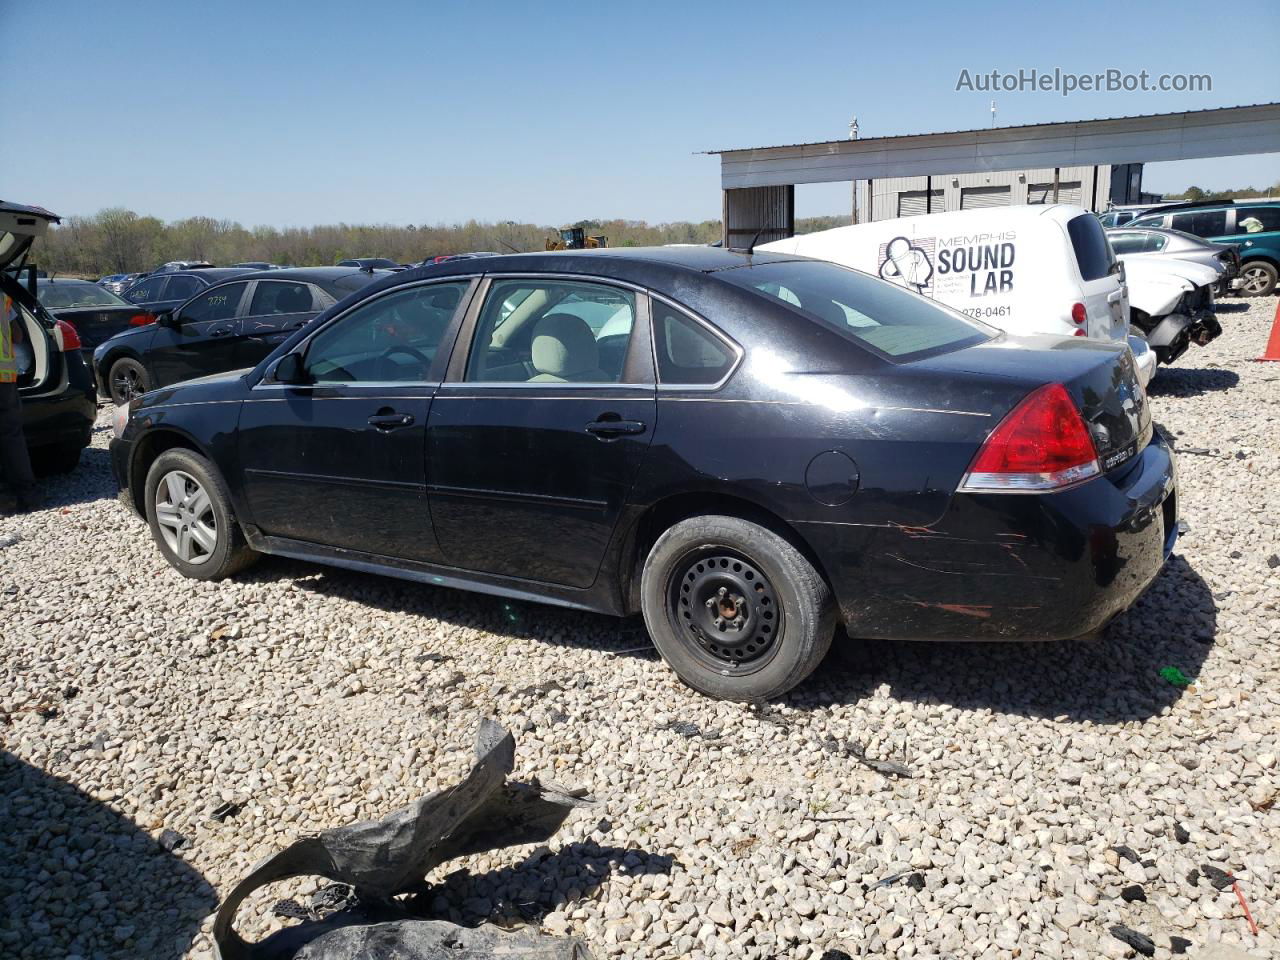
1105 300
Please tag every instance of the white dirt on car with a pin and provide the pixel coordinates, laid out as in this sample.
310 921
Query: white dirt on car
134 702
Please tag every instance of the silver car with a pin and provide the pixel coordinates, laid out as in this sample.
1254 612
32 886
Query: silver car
1142 241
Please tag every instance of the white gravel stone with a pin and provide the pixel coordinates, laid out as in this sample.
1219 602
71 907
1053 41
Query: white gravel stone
134 701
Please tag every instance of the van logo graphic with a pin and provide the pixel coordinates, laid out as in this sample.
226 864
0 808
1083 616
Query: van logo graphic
908 264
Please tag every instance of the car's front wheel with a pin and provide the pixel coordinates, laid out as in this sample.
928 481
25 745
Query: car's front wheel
1259 278
736 610
191 517
127 379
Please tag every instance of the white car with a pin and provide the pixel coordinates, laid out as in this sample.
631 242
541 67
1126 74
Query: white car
1171 302
1026 269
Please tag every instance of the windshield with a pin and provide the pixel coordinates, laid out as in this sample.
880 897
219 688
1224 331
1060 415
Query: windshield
894 323
56 296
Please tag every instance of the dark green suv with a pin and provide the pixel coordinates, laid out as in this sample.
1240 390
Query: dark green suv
1253 227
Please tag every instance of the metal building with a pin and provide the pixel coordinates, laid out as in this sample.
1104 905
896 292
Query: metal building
1101 159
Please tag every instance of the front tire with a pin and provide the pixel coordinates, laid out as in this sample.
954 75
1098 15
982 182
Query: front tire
191 519
63 458
736 610
127 379
1259 278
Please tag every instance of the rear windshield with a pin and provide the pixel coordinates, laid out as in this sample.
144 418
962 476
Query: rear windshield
57 296
895 324
1093 252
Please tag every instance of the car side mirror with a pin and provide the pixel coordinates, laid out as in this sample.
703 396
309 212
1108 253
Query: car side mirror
289 369
165 318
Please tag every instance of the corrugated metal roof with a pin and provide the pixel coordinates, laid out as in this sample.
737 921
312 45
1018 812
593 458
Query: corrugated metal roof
1024 126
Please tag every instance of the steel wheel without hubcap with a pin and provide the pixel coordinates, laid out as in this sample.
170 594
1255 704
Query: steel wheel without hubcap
729 611
185 516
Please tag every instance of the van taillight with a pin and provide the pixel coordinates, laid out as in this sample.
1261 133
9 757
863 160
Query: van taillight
1078 314
1042 445
68 337
142 319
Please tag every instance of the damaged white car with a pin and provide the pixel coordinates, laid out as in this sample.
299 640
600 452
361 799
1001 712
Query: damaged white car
1171 302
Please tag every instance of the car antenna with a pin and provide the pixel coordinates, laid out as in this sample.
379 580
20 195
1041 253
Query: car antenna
751 247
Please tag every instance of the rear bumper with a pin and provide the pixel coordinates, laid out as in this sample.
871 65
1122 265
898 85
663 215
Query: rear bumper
1010 567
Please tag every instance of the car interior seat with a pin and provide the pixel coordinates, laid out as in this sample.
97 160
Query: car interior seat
564 351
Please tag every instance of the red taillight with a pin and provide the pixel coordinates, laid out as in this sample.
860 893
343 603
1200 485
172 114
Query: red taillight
68 336
1078 314
142 319
1042 444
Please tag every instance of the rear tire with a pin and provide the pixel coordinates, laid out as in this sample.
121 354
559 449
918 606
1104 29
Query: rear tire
736 610
127 379
1259 278
191 518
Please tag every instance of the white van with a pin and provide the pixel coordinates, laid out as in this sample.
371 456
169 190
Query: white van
1026 269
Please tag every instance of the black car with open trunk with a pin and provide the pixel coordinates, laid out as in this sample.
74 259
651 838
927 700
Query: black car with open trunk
747 450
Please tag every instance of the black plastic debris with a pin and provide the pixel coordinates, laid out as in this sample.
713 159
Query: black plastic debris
1132 893
1180 833
224 811
331 898
916 882
378 860
1178 944
70 692
1219 878
433 658
1125 853
1193 876
890 768
690 730
170 840
1140 942
1273 561
834 954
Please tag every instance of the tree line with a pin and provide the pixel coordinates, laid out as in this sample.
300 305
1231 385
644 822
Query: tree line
121 241
1196 193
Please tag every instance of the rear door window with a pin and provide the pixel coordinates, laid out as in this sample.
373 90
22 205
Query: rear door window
180 288
1093 253
280 296
1257 219
1202 223
147 291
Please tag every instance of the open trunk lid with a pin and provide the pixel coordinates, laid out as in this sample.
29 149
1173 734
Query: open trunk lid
19 227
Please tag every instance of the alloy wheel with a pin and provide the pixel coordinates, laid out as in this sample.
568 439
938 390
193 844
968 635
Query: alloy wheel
185 516
1255 280
729 610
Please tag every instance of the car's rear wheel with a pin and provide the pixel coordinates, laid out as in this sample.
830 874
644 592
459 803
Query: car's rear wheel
736 610
127 379
1259 278
191 517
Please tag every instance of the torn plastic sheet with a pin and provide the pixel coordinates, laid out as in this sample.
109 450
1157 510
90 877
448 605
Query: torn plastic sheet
383 858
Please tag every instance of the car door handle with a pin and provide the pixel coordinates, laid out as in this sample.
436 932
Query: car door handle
220 331
390 421
605 428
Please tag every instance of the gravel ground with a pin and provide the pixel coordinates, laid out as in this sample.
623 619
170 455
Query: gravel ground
136 702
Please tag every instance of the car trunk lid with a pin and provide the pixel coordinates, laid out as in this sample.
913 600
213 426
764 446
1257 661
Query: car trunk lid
19 227
1100 377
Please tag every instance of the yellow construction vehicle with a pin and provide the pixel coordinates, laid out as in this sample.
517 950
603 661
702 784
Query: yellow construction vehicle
575 238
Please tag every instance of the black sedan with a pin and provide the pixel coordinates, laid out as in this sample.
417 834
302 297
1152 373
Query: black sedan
228 325
747 450
54 381
96 313
158 292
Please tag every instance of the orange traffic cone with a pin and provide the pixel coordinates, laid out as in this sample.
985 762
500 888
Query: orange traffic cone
1273 344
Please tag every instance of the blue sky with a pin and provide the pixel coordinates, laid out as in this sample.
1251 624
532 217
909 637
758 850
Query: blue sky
293 113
